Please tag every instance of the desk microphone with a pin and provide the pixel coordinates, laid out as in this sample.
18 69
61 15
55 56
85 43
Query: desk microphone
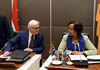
79 51
81 62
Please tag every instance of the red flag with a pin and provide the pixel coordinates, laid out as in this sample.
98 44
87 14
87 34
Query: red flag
15 25
98 26
51 47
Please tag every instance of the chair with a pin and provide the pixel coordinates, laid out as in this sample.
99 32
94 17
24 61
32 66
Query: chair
64 33
15 33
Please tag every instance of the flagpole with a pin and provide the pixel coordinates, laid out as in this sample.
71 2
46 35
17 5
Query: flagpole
11 9
50 21
94 19
11 4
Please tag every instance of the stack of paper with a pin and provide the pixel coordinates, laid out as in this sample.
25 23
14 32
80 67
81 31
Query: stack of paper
93 59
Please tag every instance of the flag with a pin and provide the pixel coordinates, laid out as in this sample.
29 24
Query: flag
98 26
51 48
14 24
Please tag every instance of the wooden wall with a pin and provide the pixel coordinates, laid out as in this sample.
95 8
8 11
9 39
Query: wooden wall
62 12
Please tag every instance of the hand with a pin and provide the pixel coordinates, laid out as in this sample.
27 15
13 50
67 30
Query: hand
6 53
77 53
28 49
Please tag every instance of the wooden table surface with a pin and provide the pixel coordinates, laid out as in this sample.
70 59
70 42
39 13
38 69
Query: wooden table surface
73 67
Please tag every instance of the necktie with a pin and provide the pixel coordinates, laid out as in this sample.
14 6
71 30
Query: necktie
31 42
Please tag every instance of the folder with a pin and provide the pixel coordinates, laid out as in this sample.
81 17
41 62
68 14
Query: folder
79 60
19 56
77 57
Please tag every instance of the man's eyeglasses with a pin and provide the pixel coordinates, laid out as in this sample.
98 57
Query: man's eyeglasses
35 27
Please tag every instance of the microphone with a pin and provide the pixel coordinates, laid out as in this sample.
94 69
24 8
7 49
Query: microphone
79 51
81 62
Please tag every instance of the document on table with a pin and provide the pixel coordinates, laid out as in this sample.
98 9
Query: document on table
93 62
93 57
1 56
77 57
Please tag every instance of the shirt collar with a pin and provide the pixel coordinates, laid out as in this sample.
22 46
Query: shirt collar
30 34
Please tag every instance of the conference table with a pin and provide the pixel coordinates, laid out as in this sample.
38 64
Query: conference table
49 66
33 63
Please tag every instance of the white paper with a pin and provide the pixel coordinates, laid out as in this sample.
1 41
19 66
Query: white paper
77 57
1 56
93 62
95 57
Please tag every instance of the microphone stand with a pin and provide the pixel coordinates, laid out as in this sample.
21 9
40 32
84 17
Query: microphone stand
79 51
80 62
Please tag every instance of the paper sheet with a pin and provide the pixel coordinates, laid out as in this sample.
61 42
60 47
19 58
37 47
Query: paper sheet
77 57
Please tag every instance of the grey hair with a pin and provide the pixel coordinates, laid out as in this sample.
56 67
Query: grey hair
32 22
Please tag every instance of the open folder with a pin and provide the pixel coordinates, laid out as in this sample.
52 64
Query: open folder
77 57
79 60
19 56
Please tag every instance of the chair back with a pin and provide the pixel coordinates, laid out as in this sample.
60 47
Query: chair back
64 33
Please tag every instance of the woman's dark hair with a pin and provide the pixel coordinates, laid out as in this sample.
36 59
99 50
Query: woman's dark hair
78 27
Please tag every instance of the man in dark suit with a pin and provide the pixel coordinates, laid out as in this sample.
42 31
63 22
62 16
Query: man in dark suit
4 31
23 39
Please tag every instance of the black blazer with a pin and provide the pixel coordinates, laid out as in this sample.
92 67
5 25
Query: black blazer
4 31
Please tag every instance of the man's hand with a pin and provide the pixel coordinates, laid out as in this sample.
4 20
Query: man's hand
6 54
77 53
28 49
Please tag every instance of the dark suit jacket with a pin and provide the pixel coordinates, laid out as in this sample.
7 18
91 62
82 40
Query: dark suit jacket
4 31
21 39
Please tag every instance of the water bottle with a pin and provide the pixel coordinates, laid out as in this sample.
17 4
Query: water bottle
64 58
56 55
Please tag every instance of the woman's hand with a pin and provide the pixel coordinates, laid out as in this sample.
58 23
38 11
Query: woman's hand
77 53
